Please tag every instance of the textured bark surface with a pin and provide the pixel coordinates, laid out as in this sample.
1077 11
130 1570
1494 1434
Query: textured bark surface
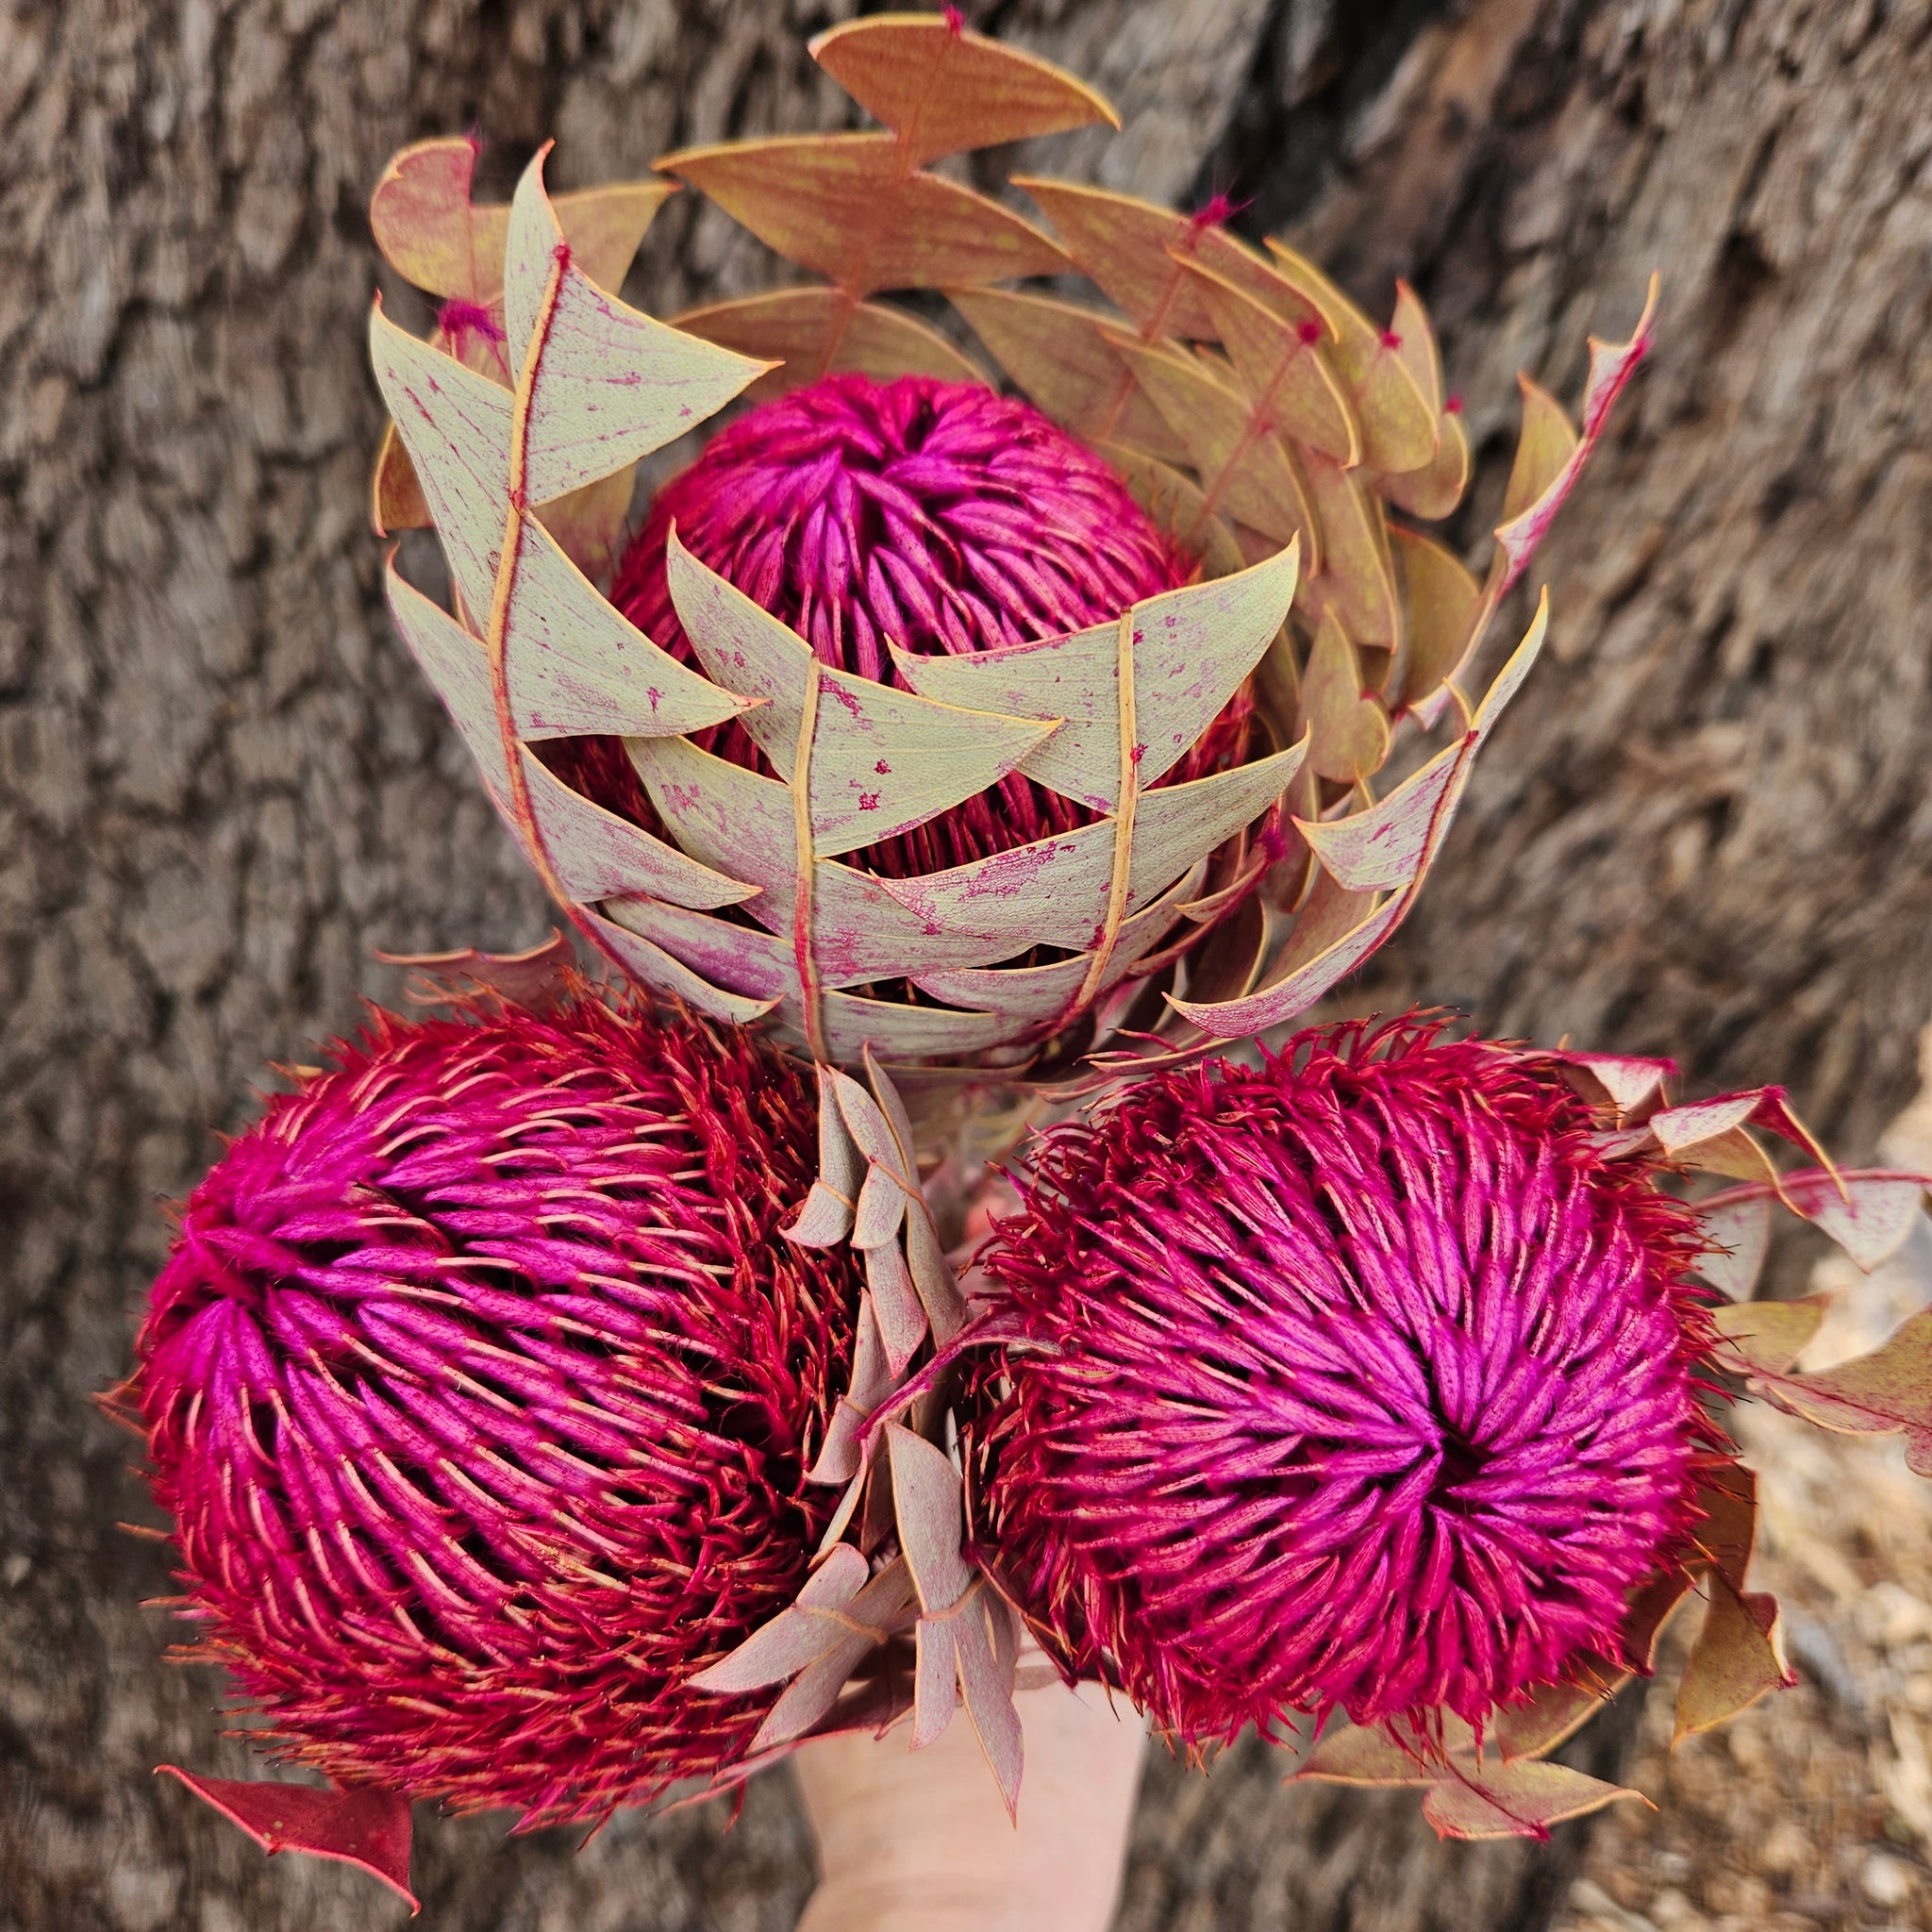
1705 830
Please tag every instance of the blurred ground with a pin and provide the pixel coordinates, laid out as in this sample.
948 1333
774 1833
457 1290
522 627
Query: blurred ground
1813 1812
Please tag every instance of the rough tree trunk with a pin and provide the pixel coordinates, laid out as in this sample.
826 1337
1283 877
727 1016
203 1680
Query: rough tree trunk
1705 828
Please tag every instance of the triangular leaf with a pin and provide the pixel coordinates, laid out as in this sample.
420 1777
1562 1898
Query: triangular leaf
1737 1233
1767 1337
1191 648
1519 1800
604 384
654 967
1348 729
1737 1658
843 205
1885 1392
813 332
358 1827
1440 600
455 425
944 91
1386 846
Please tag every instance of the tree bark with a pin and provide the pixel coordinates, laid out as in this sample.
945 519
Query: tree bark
1704 829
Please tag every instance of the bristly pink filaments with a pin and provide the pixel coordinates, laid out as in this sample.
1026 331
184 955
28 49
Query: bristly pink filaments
938 516
481 1386
1361 1379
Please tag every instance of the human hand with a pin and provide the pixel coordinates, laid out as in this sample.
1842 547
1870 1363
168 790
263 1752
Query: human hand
919 1840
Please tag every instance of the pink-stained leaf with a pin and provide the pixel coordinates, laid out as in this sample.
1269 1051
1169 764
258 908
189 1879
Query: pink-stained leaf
1737 1233
1190 650
933 1277
1036 995
456 426
944 91
1611 365
1886 1393
1298 982
656 968
881 1210
900 1034
1386 846
1766 1337
1738 1657
882 760
358 1827
457 668
575 663
793 1638
812 332
1678 1128
986 1683
534 979
896 1302
1625 1080
1481 1800
742 961
872 1382
1869 1215
872 1131
1052 892
934 1680
926 1493
843 205
604 384
824 1222
842 1166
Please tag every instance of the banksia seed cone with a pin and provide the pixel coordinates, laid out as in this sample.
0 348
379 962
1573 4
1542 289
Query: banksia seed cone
482 1390
1362 1379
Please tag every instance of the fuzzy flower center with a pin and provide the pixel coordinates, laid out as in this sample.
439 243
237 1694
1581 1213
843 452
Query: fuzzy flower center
1356 1380
482 1390
936 516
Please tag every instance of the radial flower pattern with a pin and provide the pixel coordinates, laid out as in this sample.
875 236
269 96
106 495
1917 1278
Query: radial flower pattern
1361 1379
482 1392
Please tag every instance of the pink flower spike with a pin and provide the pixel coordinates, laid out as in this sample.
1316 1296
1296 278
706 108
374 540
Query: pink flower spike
482 1390
1361 1379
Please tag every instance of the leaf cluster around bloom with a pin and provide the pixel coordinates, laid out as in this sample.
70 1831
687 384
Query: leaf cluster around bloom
577 1397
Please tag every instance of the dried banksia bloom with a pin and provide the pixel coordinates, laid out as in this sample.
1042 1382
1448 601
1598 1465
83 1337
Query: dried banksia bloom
928 515
1362 1379
913 722
482 1393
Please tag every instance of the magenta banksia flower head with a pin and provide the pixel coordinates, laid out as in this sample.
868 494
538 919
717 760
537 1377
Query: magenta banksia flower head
482 1393
936 516
1361 1379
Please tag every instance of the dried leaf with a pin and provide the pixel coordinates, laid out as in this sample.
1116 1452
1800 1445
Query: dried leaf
534 979
986 1683
895 1301
1347 727
604 384
1362 1754
1768 1335
815 331
1519 1800
1886 1393
1190 650
1058 353
652 966
575 664
1397 421
843 205
1737 1658
1738 1232
1435 490
926 1493
1245 469
1356 580
794 1638
1554 1713
1440 600
1280 364
358 1827
1868 1214
944 91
